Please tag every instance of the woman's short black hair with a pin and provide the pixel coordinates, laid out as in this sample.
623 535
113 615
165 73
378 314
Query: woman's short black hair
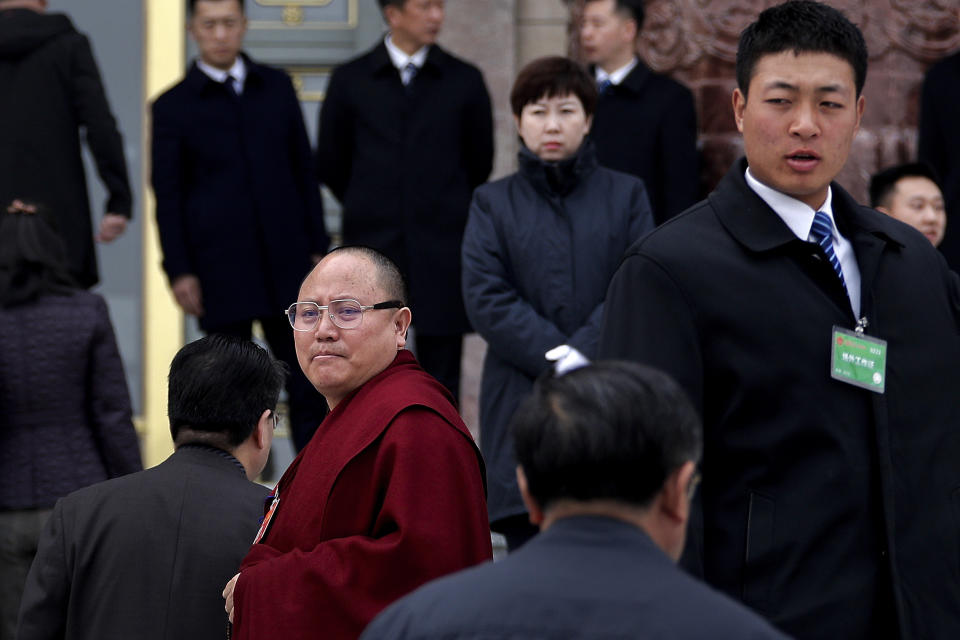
551 77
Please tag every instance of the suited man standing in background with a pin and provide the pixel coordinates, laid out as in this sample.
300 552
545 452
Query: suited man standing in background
146 555
238 205
646 123
406 134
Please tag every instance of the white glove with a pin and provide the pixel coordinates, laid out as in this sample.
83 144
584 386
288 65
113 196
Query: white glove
565 358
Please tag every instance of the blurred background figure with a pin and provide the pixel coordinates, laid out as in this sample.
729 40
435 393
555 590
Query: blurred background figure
910 193
939 139
406 134
52 93
238 205
145 556
539 250
646 123
65 419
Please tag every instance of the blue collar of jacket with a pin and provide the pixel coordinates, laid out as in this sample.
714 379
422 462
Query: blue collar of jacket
557 179
757 227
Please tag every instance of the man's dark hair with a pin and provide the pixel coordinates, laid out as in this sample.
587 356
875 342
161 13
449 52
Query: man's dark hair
192 5
550 77
632 9
33 259
883 183
607 431
801 26
389 276
386 3
219 386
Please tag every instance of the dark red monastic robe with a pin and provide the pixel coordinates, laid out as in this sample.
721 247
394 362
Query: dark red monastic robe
387 495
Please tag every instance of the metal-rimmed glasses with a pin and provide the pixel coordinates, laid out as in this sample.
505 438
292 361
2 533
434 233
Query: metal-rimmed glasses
346 313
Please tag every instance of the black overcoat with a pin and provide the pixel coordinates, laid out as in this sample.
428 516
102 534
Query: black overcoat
536 264
237 198
404 163
647 126
51 98
821 501
939 144
146 555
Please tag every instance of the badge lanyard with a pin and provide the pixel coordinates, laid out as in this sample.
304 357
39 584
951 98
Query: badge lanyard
859 359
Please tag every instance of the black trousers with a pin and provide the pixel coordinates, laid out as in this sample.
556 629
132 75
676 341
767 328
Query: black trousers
307 407
440 357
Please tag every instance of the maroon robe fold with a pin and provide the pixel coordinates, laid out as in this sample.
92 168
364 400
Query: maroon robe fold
388 495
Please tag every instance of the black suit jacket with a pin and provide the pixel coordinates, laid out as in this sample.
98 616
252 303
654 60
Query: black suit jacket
51 93
237 199
647 126
584 577
404 162
821 501
939 144
144 556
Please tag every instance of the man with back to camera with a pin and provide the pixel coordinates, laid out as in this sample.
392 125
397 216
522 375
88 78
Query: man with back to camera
646 123
145 555
910 193
52 93
238 206
390 491
406 134
606 459
818 338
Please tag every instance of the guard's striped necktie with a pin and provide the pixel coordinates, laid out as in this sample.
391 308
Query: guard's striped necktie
822 234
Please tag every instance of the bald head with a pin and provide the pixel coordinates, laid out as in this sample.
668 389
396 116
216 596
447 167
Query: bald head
389 278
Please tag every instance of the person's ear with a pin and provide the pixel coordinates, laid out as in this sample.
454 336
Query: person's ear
739 104
677 493
861 104
401 322
631 30
263 433
390 14
533 507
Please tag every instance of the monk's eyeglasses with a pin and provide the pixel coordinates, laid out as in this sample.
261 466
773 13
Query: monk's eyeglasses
346 314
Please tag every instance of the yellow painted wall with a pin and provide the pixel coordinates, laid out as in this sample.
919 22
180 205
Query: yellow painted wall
164 62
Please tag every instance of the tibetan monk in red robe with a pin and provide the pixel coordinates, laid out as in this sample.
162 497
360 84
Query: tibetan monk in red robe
388 494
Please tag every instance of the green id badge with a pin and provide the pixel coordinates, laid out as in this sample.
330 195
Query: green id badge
859 359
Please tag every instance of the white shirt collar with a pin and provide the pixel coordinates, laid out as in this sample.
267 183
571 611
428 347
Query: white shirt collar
238 71
799 217
795 214
401 59
617 76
